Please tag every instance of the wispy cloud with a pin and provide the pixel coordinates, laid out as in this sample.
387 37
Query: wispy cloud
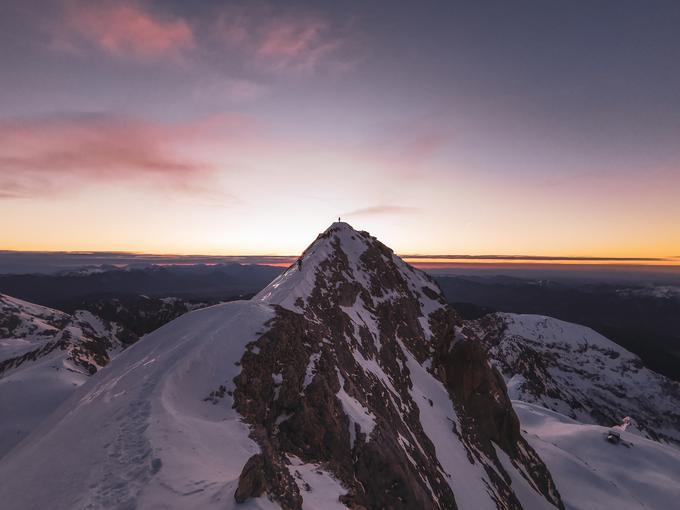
281 40
378 210
123 29
258 36
48 154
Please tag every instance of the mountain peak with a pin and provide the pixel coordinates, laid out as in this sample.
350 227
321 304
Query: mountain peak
344 265
341 225
343 233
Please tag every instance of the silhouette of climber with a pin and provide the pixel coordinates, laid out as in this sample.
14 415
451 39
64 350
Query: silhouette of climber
299 264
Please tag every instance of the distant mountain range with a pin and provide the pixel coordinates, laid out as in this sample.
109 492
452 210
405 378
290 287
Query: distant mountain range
642 317
65 289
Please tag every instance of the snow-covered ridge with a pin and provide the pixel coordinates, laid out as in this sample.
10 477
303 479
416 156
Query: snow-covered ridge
579 373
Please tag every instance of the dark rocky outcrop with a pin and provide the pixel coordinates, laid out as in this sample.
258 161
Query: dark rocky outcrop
252 480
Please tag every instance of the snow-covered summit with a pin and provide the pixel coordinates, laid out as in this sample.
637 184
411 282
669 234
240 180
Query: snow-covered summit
341 247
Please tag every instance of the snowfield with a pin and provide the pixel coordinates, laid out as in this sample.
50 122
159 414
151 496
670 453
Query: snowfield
592 474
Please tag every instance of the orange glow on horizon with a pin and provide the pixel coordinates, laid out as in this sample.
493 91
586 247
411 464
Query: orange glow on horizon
426 263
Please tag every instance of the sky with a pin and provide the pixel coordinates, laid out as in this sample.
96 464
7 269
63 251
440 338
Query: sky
546 128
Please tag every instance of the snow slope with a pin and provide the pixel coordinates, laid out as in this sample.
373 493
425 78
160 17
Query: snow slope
158 442
592 474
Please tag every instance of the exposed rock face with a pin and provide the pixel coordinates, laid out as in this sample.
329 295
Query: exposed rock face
481 392
362 376
252 480
481 397
577 372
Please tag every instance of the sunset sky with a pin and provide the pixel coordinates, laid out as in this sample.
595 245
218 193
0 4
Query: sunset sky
535 128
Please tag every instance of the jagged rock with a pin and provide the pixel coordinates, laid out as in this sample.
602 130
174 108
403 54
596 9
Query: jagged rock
251 482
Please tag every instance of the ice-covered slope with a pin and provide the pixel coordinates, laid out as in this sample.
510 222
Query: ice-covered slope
577 372
593 474
44 355
340 385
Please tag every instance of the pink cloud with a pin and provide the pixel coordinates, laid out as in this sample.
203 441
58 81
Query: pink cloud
299 43
55 154
121 29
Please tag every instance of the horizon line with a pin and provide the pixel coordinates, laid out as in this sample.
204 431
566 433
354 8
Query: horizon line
125 258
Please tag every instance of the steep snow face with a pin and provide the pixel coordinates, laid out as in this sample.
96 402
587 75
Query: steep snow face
593 474
44 355
577 372
148 431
